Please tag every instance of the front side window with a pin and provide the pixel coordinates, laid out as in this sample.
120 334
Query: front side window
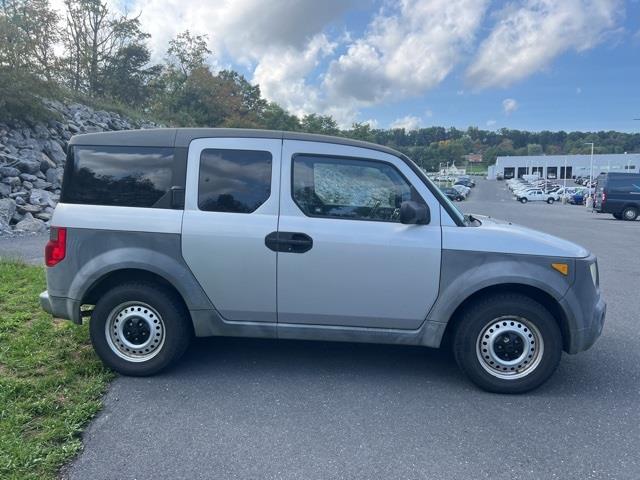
237 181
118 176
349 188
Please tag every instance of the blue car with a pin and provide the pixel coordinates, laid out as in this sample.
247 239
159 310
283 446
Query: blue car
577 199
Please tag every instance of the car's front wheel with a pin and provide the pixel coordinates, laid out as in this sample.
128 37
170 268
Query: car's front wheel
139 329
550 201
523 200
507 343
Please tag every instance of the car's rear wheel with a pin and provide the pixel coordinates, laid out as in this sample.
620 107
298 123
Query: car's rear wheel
630 214
507 343
139 329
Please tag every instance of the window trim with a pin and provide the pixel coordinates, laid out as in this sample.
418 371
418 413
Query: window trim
347 157
234 150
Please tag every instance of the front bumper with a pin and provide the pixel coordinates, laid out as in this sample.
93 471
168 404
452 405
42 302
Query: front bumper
584 308
61 307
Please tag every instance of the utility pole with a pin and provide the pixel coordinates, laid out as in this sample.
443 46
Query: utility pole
590 177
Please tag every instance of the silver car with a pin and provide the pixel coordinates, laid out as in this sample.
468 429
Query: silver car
164 234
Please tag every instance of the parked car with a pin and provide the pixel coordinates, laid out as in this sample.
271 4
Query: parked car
619 195
535 196
453 194
164 234
466 183
578 198
462 189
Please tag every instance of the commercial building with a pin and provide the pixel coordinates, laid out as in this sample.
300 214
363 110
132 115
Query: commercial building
564 166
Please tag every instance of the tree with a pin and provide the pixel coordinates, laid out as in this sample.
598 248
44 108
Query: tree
187 53
94 35
314 123
126 76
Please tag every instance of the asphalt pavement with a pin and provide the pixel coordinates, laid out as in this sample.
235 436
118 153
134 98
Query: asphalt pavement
268 409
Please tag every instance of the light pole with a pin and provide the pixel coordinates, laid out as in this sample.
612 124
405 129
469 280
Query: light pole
590 197
590 166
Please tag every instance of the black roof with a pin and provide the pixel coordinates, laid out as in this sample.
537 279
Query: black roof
182 137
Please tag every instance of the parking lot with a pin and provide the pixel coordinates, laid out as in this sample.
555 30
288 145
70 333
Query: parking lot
243 408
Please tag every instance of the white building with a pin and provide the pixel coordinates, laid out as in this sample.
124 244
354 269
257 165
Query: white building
564 166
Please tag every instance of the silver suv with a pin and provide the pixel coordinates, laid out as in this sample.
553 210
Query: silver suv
164 234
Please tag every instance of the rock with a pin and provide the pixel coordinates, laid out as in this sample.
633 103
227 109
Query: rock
41 184
5 190
28 177
30 224
44 216
46 163
17 216
27 185
7 209
11 181
28 166
20 201
55 152
54 177
28 208
9 172
41 197
73 128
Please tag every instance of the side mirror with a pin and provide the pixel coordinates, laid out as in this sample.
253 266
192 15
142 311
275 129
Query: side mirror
414 213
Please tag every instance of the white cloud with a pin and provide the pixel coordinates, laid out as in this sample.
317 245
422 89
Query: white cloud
405 51
491 123
526 39
282 75
509 105
460 92
578 90
428 113
372 122
409 122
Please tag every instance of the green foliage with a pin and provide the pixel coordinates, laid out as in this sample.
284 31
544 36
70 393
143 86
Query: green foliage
50 380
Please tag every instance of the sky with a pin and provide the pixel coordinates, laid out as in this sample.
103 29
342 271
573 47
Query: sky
526 64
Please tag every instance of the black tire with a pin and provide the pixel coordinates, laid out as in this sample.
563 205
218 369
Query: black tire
550 201
630 214
164 308
617 216
523 200
491 313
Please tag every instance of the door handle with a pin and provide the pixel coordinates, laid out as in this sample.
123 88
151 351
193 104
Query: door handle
288 242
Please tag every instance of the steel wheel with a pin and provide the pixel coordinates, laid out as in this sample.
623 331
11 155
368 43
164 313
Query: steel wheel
135 331
630 214
509 347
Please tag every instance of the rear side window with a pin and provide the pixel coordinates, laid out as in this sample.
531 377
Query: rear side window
119 176
237 181
349 188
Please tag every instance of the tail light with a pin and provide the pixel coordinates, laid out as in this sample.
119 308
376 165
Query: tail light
604 197
56 248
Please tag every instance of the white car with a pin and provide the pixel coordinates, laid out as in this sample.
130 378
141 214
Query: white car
535 196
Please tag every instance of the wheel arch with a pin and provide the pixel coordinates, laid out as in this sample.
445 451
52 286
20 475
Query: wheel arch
535 293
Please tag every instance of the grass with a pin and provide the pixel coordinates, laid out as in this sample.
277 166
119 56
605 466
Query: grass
51 382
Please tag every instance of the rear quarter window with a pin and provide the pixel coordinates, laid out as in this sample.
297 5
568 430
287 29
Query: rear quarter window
119 176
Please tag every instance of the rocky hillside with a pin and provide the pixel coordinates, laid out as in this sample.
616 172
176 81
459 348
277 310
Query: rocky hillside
32 158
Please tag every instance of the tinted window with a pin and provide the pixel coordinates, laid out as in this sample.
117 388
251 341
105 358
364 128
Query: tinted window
118 176
347 188
233 180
